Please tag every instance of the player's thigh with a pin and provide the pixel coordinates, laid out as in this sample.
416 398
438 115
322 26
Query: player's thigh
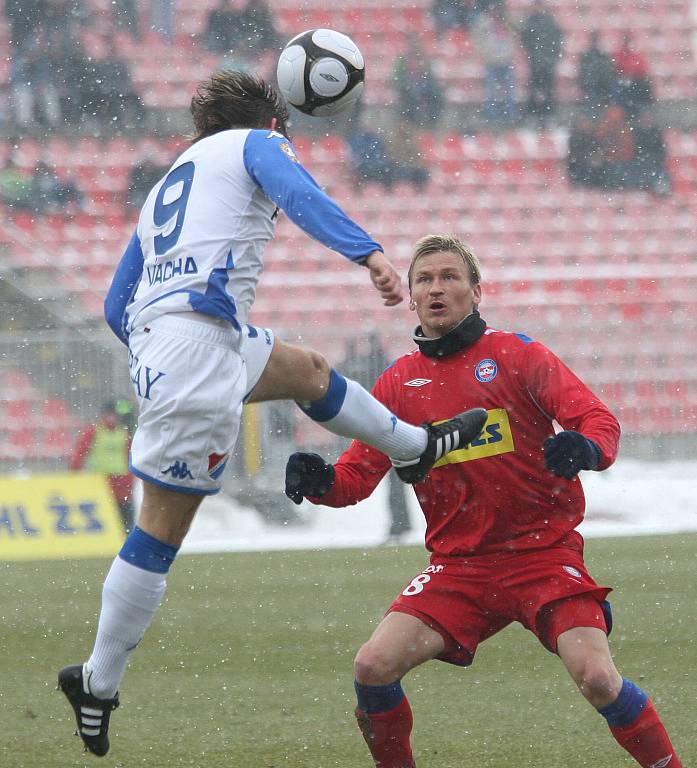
167 514
399 643
291 373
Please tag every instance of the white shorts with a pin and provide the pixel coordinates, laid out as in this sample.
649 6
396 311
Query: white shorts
190 380
257 344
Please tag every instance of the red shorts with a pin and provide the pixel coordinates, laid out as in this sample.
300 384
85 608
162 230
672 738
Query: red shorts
469 599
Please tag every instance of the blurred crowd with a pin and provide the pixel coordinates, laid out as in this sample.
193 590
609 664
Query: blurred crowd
68 73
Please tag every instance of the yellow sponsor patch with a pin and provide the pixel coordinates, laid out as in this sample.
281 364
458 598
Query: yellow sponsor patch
495 438
52 516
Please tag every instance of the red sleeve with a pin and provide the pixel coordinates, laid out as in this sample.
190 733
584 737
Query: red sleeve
82 447
360 467
564 397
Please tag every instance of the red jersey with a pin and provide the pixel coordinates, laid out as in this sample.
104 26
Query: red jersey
495 494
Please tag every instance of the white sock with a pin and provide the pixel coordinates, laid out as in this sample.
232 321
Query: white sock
130 599
362 417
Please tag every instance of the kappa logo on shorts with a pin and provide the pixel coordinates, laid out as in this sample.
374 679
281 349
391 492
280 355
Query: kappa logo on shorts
216 464
179 471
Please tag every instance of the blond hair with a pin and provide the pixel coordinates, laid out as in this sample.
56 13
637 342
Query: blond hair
446 243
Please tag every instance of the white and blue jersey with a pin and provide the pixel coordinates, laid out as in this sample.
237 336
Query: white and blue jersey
201 234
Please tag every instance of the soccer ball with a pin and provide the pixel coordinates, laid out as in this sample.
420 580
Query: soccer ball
321 72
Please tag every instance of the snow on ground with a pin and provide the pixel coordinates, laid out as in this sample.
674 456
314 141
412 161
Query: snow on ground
631 498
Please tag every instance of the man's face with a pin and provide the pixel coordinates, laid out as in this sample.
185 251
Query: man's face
441 292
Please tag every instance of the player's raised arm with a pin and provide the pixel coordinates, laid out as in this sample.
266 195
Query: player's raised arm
271 161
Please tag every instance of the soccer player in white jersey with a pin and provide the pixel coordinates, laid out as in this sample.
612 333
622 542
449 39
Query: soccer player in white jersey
180 299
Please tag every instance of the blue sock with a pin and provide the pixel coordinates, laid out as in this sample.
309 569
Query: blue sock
625 709
146 552
378 698
327 407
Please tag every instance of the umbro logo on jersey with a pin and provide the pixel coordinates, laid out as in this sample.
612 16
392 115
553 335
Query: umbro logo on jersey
662 762
417 382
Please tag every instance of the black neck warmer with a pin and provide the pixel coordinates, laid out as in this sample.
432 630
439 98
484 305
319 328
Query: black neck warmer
464 334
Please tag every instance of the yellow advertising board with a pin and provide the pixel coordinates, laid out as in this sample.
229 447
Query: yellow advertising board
54 516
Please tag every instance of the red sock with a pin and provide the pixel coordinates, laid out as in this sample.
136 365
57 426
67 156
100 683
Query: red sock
387 735
646 740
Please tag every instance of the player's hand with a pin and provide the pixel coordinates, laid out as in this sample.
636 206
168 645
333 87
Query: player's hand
307 474
567 453
385 278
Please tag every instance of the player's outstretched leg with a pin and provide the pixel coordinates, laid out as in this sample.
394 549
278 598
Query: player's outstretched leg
343 407
92 714
443 438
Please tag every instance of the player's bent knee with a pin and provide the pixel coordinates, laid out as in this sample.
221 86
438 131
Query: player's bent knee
373 667
317 363
313 376
597 681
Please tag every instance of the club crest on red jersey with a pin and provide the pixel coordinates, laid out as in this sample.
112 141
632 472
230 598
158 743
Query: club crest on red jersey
486 370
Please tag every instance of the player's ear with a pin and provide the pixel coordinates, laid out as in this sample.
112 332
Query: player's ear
477 290
274 123
412 304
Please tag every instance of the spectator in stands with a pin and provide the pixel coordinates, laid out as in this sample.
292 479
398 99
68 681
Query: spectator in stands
15 187
364 361
117 101
36 97
259 32
448 14
584 165
163 19
420 97
223 28
597 77
616 148
51 194
103 448
372 161
76 77
632 69
651 171
405 152
602 151
144 175
24 18
542 39
496 42
61 20
126 17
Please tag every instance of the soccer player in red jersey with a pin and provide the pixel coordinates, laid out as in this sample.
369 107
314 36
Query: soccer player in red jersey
501 512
